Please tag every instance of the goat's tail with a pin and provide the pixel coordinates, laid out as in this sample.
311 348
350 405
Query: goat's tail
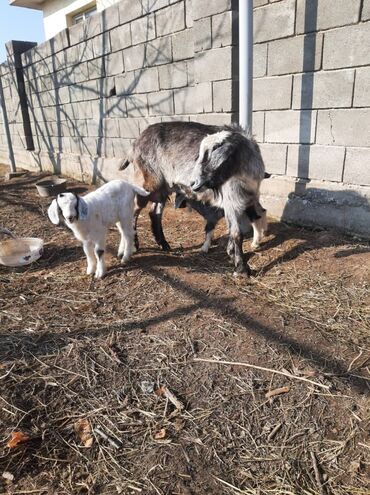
140 191
124 165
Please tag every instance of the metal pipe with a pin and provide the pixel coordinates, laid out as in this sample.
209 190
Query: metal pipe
6 127
246 63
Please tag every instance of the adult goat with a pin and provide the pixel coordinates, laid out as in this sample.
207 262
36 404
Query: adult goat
173 155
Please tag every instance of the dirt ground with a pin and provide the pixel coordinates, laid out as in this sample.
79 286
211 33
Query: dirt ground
106 378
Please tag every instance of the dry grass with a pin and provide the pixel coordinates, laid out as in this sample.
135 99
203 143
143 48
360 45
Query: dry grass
72 349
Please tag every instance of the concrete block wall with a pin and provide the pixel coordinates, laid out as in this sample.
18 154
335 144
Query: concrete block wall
95 86
312 110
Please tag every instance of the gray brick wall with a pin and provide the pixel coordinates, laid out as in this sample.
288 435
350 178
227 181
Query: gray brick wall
312 109
95 86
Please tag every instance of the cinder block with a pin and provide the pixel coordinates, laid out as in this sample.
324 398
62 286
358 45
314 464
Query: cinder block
316 162
121 147
59 42
170 19
77 33
274 21
357 166
82 110
224 29
92 90
260 60
72 56
323 89
129 11
143 29
101 45
145 80
183 45
173 75
129 128
111 128
161 103
213 65
302 54
94 25
258 126
366 10
194 99
86 51
362 88
80 72
94 127
274 157
153 5
259 3
135 57
114 63
189 13
116 107
126 83
110 17
64 95
96 68
120 37
289 126
325 14
347 47
272 93
203 8
225 96
158 51
344 127
137 105
202 34
213 118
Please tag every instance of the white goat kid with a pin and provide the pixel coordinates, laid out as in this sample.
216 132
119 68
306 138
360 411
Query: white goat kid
89 218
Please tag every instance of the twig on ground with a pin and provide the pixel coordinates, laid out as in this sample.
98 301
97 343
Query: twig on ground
322 490
247 365
110 440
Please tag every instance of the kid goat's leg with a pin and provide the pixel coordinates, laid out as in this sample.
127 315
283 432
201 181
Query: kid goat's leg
88 248
100 259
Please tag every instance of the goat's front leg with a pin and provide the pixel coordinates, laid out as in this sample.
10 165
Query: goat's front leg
236 242
100 259
209 230
155 214
88 248
126 229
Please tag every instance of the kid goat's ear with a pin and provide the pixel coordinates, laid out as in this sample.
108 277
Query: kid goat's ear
53 212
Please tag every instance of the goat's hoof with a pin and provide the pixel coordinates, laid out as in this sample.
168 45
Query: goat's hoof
125 260
255 245
165 246
99 275
90 271
242 271
120 254
204 249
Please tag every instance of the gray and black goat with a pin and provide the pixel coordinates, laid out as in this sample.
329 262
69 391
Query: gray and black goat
220 166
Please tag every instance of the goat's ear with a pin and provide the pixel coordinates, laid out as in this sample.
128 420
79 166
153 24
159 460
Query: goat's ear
53 212
83 209
220 154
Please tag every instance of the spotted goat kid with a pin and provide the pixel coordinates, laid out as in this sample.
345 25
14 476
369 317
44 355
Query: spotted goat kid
89 218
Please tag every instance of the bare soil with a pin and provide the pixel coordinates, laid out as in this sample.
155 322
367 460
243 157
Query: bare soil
74 351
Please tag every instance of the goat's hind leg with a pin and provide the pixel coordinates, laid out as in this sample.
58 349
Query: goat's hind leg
100 258
155 214
127 231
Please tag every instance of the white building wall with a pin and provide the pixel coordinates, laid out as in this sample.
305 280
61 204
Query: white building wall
56 13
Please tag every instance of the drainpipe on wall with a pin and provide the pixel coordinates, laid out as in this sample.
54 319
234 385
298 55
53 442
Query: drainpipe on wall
6 127
245 63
